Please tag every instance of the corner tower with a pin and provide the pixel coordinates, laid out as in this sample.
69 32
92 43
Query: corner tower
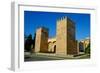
41 41
65 34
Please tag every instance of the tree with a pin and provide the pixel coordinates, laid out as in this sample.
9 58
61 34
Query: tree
28 43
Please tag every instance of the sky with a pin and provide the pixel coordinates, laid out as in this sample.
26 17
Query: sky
36 19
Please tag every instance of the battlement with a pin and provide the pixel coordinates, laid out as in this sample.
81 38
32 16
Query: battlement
65 18
43 28
62 18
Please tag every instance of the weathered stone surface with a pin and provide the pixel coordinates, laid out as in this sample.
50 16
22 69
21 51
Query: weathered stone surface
64 42
41 42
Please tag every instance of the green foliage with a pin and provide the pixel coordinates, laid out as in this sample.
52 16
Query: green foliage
29 43
87 49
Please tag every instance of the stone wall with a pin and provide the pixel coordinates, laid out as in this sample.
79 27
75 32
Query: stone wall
61 35
41 42
66 42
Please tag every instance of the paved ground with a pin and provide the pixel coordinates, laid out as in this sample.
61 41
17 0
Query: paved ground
35 57
46 57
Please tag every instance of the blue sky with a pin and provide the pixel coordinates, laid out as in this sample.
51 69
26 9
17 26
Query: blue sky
34 20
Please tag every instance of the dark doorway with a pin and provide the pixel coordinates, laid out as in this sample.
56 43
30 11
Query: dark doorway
54 48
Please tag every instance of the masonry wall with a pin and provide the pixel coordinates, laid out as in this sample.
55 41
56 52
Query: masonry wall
38 40
44 41
61 41
71 41
41 42
66 42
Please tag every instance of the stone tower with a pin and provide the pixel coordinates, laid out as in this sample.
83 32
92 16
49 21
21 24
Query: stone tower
41 41
65 33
